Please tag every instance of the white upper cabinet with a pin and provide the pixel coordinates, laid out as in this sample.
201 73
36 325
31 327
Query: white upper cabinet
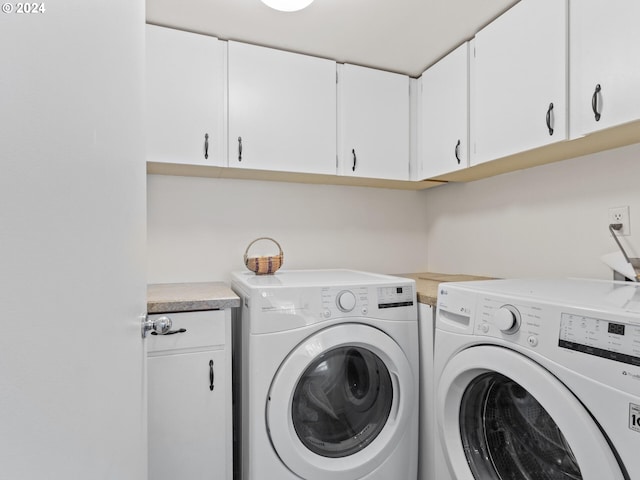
519 80
185 97
282 110
443 134
373 123
604 64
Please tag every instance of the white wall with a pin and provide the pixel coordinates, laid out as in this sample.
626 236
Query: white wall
545 221
199 228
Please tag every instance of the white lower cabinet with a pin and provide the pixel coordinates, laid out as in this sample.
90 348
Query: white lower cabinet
189 398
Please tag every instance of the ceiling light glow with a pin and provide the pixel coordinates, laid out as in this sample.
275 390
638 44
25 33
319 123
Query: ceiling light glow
287 5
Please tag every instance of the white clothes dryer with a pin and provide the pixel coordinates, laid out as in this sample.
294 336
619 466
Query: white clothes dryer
328 368
538 379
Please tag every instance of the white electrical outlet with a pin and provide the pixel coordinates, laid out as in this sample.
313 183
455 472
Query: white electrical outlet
620 215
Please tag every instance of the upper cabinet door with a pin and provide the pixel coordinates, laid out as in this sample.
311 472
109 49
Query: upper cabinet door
282 110
186 97
604 64
519 80
444 115
374 123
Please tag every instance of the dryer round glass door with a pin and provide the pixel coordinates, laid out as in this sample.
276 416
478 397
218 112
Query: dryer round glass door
342 401
501 416
339 403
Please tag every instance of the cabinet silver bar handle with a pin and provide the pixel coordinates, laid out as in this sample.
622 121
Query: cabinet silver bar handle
457 152
171 332
353 151
206 145
239 149
549 111
211 375
594 102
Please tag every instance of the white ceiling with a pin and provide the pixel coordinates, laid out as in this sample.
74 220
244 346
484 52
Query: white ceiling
403 36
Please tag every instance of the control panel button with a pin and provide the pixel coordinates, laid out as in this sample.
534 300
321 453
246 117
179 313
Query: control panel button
365 310
326 313
532 340
484 328
507 319
346 301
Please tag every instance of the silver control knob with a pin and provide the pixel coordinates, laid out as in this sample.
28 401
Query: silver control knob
346 301
507 319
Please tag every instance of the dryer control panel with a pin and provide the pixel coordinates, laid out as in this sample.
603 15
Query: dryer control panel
393 297
377 301
341 301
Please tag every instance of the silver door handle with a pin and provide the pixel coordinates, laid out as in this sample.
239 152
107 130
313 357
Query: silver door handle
160 326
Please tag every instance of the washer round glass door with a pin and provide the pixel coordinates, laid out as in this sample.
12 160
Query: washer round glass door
503 417
339 402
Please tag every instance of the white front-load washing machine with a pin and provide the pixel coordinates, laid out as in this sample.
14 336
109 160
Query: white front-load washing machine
538 380
327 362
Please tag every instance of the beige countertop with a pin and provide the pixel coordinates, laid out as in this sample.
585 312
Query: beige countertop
427 284
189 297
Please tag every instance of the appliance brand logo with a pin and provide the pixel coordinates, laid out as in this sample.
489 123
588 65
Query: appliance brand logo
443 292
635 376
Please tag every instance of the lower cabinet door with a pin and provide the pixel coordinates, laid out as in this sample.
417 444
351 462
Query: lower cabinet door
187 417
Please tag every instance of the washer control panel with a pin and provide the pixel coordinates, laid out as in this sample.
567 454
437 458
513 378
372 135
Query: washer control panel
558 329
602 338
507 319
521 323
517 323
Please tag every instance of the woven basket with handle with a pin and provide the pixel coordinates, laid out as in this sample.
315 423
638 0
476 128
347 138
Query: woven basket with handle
264 265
